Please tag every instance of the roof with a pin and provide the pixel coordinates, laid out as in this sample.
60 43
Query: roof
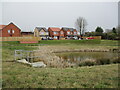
65 28
2 26
40 28
55 29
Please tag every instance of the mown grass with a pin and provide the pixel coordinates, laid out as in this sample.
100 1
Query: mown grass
16 75
65 42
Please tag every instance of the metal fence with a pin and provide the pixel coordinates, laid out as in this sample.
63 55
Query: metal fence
24 54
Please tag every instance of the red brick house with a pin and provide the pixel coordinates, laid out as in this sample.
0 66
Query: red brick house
70 33
62 33
10 30
55 33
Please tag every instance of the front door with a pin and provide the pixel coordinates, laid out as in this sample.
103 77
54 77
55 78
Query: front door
58 37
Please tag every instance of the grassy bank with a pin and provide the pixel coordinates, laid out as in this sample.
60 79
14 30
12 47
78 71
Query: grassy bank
66 42
9 48
16 75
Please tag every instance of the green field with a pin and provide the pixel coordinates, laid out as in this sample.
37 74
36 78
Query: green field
16 75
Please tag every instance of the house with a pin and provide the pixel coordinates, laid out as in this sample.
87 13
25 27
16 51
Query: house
10 30
70 33
55 33
41 32
27 34
61 34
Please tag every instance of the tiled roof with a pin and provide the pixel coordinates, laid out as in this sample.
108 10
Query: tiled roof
40 28
65 28
2 26
55 29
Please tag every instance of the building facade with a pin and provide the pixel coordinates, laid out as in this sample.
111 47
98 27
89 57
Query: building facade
70 33
41 32
10 30
55 33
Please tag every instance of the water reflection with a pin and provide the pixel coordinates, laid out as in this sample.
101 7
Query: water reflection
76 57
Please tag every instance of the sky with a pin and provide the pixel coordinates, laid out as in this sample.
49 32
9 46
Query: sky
28 15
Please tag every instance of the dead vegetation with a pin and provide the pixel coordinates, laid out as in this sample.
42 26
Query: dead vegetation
50 59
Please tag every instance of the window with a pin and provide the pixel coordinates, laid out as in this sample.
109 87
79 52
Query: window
75 32
13 31
61 32
55 32
42 33
8 31
46 33
55 37
68 32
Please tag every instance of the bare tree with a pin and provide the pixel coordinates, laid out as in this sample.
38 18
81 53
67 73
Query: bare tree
81 24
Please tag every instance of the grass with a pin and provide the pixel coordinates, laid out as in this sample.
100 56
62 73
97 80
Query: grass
66 42
16 75
99 62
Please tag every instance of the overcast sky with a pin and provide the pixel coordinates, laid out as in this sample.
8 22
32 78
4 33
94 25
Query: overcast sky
28 15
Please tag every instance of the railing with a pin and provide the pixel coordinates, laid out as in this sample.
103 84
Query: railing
24 54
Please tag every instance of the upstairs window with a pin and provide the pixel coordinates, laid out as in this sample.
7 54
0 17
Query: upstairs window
8 31
61 32
13 31
68 32
75 32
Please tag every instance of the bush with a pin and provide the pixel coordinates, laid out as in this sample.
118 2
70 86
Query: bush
87 63
116 60
103 61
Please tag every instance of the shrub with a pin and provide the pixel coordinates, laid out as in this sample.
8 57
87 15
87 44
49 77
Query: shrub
116 60
87 63
103 61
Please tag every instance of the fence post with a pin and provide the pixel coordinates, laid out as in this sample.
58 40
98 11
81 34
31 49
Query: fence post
15 55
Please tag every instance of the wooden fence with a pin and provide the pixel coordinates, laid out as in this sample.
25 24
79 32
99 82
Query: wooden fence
20 38
95 37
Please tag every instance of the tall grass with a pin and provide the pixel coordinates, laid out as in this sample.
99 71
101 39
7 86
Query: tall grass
99 62
70 42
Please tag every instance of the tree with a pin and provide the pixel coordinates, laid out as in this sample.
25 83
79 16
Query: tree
81 24
99 30
114 30
111 36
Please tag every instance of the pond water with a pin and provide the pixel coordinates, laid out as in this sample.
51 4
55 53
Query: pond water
76 57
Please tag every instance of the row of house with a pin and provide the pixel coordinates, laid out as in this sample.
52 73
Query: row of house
55 33
12 30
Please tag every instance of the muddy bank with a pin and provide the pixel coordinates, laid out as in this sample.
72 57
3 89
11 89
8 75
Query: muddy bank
85 50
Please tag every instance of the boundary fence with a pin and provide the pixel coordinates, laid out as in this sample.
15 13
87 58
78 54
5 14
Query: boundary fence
20 38
25 54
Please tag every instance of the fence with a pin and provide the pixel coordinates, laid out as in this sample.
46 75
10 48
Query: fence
20 38
95 37
24 54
